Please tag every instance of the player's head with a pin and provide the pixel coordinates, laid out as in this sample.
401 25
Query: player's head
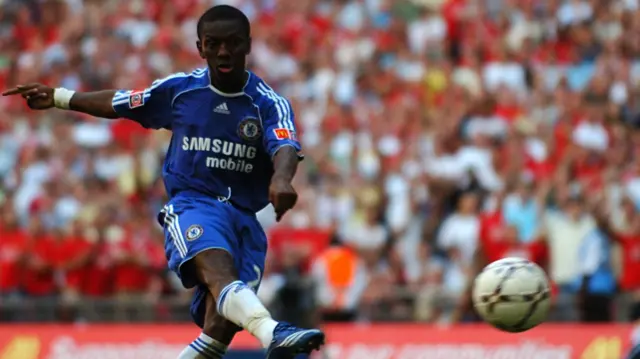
224 39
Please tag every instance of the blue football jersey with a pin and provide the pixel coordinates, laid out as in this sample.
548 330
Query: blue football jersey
223 143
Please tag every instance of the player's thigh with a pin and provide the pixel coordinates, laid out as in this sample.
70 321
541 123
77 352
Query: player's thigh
253 251
203 231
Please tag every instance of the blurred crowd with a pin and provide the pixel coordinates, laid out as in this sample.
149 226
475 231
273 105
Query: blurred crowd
439 135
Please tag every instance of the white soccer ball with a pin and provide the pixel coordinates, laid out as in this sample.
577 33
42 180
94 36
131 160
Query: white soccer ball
512 294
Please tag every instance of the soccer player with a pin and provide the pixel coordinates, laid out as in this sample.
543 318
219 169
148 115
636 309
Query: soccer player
233 150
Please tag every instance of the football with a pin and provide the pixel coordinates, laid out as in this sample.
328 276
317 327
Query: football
512 294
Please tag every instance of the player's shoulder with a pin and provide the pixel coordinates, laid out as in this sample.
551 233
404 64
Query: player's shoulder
183 81
263 95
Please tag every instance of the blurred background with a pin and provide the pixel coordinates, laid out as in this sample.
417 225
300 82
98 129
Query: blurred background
439 134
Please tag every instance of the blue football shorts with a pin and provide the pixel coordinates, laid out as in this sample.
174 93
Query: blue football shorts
194 225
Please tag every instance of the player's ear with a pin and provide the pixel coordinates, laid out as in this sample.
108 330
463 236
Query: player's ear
248 45
200 49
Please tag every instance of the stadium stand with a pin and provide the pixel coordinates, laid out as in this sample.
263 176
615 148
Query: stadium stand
432 129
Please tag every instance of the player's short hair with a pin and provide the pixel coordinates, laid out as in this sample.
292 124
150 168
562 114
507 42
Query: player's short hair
225 12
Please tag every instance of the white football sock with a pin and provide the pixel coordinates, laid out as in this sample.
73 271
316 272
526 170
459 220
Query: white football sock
240 305
204 347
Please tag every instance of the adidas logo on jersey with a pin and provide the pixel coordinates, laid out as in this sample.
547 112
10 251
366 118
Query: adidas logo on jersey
222 108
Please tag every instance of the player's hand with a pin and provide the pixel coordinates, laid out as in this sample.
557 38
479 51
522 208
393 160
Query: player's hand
38 96
283 196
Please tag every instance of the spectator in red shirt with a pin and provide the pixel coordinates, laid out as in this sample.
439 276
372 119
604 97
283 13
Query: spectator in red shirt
75 254
499 240
13 246
13 249
39 277
630 279
534 251
73 258
139 257
492 231
41 261
98 276
311 241
138 260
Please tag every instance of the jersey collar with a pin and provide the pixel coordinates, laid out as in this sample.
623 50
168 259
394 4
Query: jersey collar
226 94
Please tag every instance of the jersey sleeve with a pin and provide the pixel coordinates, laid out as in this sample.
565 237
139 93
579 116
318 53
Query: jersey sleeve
278 121
150 107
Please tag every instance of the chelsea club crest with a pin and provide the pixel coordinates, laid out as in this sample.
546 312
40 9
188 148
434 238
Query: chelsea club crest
194 232
249 129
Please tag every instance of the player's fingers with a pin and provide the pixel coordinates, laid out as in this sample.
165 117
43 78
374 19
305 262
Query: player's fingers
32 92
28 87
10 92
20 89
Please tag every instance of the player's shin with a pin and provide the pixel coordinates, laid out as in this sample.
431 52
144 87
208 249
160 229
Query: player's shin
204 347
240 305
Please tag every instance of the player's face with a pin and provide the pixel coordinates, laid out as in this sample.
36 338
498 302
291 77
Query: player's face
224 45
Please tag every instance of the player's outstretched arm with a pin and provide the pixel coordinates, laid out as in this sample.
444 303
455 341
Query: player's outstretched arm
96 103
42 97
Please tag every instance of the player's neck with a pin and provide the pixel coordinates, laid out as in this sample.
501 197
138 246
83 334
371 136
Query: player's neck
232 83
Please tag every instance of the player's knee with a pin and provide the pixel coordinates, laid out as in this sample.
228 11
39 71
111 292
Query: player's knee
215 268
